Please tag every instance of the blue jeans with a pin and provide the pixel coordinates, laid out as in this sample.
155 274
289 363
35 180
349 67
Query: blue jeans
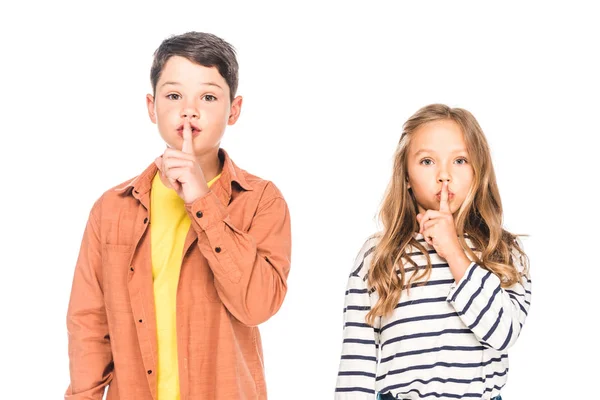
387 396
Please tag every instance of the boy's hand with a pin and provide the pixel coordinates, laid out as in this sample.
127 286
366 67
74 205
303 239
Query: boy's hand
182 170
439 231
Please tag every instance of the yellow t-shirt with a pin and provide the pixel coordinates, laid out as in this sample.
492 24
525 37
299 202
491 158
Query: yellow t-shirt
169 225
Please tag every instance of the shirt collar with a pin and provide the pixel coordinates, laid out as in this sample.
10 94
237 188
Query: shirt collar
141 184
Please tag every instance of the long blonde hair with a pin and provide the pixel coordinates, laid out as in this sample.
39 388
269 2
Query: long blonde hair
479 217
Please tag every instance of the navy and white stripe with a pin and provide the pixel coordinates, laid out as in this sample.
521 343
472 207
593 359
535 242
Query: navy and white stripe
444 340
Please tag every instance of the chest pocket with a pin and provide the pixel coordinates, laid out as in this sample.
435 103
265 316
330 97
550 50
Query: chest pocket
116 270
203 285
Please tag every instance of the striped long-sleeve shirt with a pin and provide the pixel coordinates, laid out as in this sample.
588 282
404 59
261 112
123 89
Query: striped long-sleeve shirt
444 340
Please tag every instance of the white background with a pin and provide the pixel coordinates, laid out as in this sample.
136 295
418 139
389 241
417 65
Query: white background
327 88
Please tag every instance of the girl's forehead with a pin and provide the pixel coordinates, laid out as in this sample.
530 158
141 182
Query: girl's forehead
438 136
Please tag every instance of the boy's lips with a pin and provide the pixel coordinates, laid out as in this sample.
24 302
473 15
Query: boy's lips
195 131
192 125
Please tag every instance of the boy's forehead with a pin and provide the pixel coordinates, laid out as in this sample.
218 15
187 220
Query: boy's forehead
183 71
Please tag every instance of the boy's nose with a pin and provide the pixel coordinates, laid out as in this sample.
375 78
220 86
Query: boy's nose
189 113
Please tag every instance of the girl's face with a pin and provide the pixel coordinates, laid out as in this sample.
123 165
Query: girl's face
438 153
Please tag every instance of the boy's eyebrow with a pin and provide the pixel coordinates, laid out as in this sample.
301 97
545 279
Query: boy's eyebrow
211 84
202 83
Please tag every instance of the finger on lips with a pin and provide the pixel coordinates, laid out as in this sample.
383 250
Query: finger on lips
444 206
187 146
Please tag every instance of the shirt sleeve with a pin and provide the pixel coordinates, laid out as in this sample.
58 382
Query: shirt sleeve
494 314
360 347
90 356
250 268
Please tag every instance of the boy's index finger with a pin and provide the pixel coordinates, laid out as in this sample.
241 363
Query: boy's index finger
187 146
444 206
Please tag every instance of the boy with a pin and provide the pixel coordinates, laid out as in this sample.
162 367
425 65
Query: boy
179 265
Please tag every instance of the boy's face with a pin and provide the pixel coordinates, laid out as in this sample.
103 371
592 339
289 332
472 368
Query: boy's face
438 153
186 90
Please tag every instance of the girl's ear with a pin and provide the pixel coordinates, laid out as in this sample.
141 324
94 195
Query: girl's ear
407 182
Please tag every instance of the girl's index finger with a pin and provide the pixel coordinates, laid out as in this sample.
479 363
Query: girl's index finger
187 146
444 206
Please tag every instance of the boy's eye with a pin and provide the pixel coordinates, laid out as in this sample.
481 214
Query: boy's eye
461 161
426 161
209 97
173 96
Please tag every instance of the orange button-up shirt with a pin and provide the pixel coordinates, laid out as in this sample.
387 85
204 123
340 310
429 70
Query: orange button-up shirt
233 277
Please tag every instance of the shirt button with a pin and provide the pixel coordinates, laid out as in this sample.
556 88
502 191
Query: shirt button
131 268
218 249
199 214
149 371
145 220
140 320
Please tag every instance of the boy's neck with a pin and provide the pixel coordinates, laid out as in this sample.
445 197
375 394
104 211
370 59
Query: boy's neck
211 164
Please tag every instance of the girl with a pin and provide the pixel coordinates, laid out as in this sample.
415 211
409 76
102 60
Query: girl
435 300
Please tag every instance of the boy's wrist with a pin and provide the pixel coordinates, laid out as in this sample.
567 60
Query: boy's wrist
196 194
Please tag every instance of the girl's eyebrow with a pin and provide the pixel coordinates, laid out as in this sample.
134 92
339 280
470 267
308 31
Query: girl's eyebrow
424 151
461 150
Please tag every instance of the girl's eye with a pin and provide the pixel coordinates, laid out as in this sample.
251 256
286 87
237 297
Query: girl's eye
173 96
461 161
426 161
209 97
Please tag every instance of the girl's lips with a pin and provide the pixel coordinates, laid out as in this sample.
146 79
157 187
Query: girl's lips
450 196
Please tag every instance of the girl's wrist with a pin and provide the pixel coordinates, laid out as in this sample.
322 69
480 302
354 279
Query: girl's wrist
458 263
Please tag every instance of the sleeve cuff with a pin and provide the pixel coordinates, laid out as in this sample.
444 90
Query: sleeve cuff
206 211
457 287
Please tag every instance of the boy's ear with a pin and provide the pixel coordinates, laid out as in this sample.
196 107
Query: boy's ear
151 109
235 110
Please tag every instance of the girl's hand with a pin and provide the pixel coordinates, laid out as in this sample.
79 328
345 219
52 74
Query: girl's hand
438 228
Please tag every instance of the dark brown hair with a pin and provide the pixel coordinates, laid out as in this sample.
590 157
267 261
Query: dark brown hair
201 48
